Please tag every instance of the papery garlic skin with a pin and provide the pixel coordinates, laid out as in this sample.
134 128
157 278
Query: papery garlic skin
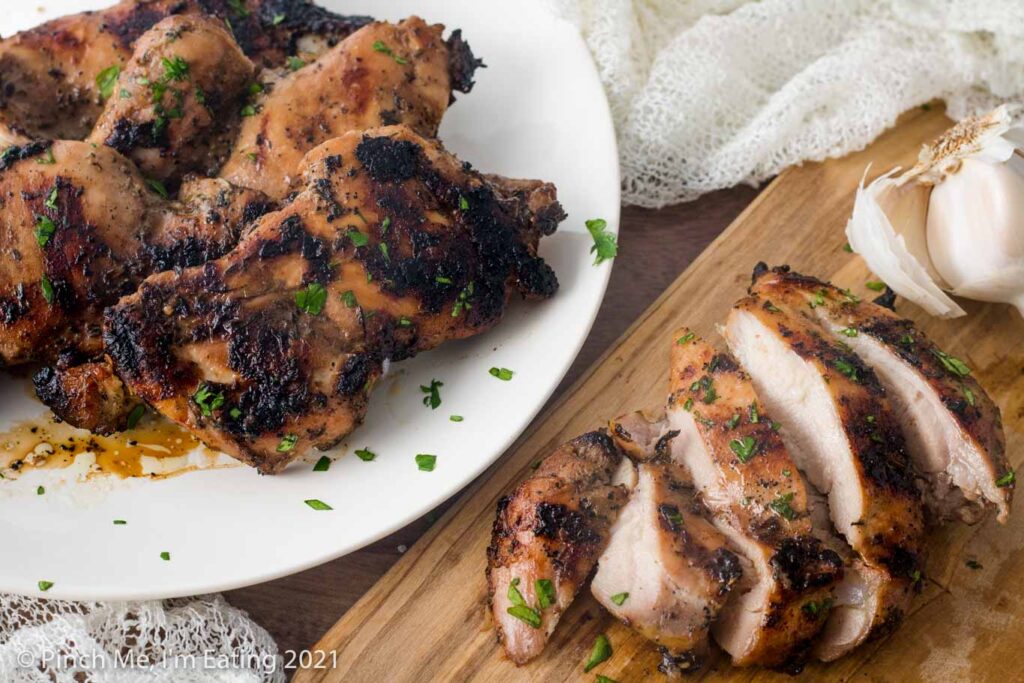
976 230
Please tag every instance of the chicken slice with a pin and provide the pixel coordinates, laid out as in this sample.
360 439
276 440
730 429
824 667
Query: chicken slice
88 395
952 428
383 74
757 499
666 571
176 101
81 228
50 75
547 537
838 425
393 247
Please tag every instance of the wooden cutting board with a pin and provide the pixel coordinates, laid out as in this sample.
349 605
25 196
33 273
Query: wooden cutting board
426 619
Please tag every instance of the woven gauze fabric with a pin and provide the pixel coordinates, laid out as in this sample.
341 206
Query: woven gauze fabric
708 94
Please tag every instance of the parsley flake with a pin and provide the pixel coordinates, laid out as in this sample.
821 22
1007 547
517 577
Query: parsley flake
620 598
157 187
318 505
323 464
45 229
875 286
47 288
781 506
136 415
287 443
744 448
45 585
526 614
426 462
433 394
349 298
1007 479
175 69
312 298
106 79
685 338
294 63
165 556
358 238
605 245
545 591
456 418
207 400
846 368
952 364
381 46
365 454
601 651
504 374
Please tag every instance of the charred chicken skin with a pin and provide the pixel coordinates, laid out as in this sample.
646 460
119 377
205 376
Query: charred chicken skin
52 76
393 247
547 538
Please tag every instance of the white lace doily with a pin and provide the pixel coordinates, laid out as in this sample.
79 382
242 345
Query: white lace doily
707 94
200 640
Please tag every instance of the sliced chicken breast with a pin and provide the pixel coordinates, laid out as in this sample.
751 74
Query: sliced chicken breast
547 536
838 426
952 428
758 501
666 571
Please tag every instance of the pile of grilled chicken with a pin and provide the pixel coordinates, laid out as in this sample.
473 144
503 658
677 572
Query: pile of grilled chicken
236 212
780 504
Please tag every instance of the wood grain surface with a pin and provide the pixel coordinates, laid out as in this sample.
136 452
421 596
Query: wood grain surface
427 618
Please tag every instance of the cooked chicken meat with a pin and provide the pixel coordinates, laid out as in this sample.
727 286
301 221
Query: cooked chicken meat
172 107
383 74
51 75
757 499
393 247
90 394
952 428
81 227
666 571
547 537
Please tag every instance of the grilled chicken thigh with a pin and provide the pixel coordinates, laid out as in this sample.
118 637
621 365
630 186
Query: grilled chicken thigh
383 74
757 499
88 395
952 428
50 75
393 247
171 109
547 537
81 227
666 571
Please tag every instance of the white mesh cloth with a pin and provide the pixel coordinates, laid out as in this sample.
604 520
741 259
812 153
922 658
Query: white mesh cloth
707 94
200 640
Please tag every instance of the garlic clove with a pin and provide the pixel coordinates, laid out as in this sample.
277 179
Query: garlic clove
975 230
983 138
900 258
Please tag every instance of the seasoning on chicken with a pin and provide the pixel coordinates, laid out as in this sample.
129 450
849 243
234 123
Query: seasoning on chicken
81 228
952 428
384 74
666 572
393 247
757 499
172 107
54 77
89 393
837 424
547 537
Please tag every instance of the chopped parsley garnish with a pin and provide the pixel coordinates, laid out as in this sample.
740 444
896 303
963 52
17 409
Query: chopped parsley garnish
755 416
605 247
120 522
136 415
384 251
504 374
381 46
744 448
45 585
601 651
781 506
294 63
952 364
317 504
433 394
875 286
278 18
849 332
323 464
207 400
249 110
385 224
312 298
425 462
463 203
46 159
462 301
200 95
45 229
157 187
916 576
40 490
819 299
733 421
441 280
47 288
358 238
685 338
235 413
255 88
545 591
688 404
239 8
770 307
907 340
973 564
776 426
106 79
365 454
525 613
816 609
968 394
604 679
456 418
847 248
787 473
620 598
165 556
404 322
349 297
51 199
1006 480
287 443
846 368
175 69
706 384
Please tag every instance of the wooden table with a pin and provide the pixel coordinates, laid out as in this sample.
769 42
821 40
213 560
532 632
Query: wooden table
655 246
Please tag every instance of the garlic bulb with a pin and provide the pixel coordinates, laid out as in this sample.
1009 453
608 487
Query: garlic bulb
953 223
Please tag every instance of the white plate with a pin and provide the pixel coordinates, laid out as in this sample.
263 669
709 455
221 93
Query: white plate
537 111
